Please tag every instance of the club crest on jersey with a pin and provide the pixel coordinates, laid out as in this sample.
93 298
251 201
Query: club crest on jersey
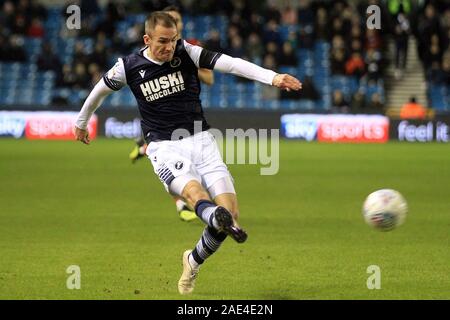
166 85
175 62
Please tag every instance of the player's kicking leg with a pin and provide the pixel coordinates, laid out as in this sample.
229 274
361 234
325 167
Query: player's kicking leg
220 223
184 212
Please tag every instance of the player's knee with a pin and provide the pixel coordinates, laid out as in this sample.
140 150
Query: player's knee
193 192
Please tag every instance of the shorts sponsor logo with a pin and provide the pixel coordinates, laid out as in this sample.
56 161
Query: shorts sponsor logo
179 165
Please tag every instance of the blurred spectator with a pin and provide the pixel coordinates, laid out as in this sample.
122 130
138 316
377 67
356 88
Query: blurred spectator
440 75
7 17
306 36
401 35
337 60
95 74
445 78
337 42
337 27
321 24
289 16
254 49
288 56
373 39
80 55
428 25
108 25
68 77
82 80
134 36
375 104
19 25
355 65
271 33
256 24
272 13
413 110
270 92
355 34
49 61
292 38
37 10
358 102
432 54
12 49
36 29
89 7
213 41
338 103
272 49
356 46
305 12
99 56
374 62
236 49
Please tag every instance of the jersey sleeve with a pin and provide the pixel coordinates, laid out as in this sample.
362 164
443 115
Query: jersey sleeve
202 57
115 78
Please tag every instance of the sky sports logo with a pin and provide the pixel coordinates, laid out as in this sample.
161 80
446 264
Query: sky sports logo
42 125
12 124
336 128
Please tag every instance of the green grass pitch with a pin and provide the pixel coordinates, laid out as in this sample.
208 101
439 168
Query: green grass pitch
63 203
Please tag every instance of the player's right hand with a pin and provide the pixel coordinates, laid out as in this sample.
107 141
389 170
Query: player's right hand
81 135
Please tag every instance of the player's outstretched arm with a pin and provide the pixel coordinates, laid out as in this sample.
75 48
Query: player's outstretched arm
246 69
204 58
93 101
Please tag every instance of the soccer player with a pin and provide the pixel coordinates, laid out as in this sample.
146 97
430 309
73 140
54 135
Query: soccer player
163 78
206 76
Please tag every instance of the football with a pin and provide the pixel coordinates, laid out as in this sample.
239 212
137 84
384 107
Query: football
385 209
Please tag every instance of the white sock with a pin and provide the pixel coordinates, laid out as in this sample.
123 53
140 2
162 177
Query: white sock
180 204
192 262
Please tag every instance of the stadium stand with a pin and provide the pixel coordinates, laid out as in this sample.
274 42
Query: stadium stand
81 57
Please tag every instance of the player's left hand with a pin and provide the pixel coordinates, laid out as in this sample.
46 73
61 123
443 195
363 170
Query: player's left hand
286 82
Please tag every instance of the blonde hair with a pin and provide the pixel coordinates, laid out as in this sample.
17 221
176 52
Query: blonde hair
159 18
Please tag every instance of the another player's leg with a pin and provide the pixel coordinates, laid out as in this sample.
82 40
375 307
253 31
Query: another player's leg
138 150
185 213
